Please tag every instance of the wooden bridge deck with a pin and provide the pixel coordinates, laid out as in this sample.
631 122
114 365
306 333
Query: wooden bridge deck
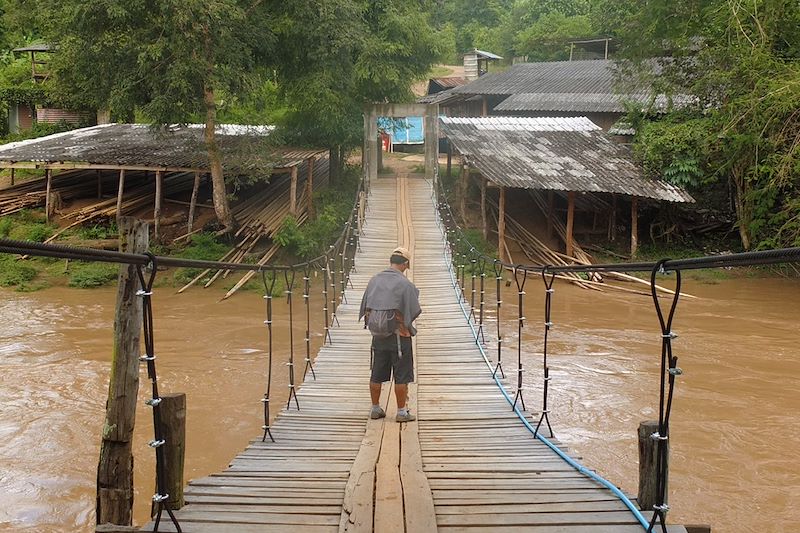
468 464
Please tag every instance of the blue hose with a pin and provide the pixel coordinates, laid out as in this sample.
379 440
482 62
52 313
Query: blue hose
569 460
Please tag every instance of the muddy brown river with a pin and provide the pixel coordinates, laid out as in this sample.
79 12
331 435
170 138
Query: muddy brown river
735 434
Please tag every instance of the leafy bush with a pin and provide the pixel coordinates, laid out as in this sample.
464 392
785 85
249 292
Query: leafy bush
5 226
90 275
204 246
99 231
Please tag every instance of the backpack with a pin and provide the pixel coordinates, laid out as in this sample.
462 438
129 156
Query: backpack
382 323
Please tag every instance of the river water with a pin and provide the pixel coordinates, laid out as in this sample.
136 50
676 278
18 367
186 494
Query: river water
734 449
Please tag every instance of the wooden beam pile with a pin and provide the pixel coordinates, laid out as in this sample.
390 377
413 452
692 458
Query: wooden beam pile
260 217
32 193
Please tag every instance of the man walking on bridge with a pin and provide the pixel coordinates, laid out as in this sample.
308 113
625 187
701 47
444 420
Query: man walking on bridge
389 306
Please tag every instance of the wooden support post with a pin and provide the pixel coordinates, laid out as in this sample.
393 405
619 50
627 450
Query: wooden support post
462 197
648 450
293 192
501 224
120 191
484 107
634 225
310 189
570 248
12 176
449 159
484 225
157 208
193 202
99 184
173 424
612 221
380 153
550 213
47 201
115 468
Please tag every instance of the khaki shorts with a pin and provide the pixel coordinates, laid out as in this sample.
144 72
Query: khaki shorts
386 361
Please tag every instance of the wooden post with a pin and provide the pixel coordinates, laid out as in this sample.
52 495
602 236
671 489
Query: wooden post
612 222
449 159
484 107
193 202
648 450
120 190
550 213
47 203
157 208
99 184
484 226
570 222
115 468
501 223
634 225
310 189
173 424
293 192
462 197
12 176
380 153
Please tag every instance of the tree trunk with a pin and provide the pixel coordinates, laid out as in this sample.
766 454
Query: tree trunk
219 193
743 207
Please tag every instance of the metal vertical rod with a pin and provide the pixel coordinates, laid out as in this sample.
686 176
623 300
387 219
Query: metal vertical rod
307 304
498 276
548 279
289 277
482 308
268 290
325 308
473 279
520 324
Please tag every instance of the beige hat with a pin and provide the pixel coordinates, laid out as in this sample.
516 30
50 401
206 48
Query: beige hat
402 252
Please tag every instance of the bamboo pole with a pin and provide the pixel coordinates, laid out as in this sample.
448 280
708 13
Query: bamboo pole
13 170
115 489
484 225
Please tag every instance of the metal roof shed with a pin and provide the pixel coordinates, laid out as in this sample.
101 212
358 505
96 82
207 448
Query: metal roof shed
569 154
140 147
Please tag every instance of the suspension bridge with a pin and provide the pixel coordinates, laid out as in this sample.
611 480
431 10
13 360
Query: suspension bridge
470 462
474 460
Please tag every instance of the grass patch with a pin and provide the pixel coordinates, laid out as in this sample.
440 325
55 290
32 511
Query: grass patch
26 226
204 246
15 273
91 275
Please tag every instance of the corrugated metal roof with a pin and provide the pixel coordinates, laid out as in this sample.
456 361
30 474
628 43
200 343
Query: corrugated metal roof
486 55
589 76
553 153
244 148
450 82
588 102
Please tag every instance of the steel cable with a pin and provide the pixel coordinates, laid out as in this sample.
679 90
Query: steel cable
269 288
548 278
289 278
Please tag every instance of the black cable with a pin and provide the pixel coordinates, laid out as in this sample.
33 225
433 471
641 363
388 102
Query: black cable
268 290
548 278
520 325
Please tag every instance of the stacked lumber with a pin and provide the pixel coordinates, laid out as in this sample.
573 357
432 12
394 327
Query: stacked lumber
31 194
259 218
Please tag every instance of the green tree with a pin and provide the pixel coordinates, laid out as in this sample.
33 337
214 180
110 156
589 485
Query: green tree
167 59
548 38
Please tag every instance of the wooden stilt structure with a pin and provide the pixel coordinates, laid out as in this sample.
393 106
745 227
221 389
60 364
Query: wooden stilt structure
310 188
501 224
47 201
120 192
570 223
157 209
550 213
293 193
484 226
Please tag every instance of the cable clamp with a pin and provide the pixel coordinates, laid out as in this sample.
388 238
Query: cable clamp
521 293
306 296
142 292
657 436
264 400
545 411
156 443
676 371
268 322
548 378
152 402
265 427
289 363
670 335
548 324
268 297
663 507
158 498
145 358
550 291
291 386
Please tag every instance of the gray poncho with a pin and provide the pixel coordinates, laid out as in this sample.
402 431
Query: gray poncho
390 289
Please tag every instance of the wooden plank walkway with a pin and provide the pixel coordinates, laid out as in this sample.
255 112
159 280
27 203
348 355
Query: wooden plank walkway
468 464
